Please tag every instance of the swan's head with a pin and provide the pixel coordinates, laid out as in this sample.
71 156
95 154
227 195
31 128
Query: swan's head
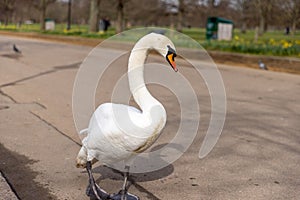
166 48
163 45
170 56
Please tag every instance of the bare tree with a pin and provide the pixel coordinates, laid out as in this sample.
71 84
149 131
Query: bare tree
242 6
7 7
81 11
264 9
197 13
69 15
14 10
144 14
174 13
120 16
94 15
41 6
181 9
291 9
211 7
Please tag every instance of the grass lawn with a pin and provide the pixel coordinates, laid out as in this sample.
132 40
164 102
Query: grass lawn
271 43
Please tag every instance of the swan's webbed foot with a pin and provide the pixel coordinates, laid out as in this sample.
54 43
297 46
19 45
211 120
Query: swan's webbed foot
96 193
123 194
93 190
99 194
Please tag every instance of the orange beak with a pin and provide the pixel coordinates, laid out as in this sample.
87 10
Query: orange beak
170 59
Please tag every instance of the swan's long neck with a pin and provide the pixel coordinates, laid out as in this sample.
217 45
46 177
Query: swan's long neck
137 85
153 112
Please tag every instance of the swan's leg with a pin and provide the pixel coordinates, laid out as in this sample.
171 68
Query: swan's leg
124 188
123 194
93 190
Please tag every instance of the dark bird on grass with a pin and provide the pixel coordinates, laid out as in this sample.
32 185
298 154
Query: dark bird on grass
16 49
262 65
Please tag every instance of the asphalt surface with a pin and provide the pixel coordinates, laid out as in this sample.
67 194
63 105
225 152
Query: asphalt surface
257 156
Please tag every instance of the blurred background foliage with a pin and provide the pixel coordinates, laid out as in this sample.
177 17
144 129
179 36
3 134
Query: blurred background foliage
266 27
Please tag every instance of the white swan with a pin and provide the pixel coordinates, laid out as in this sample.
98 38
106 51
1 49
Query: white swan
117 132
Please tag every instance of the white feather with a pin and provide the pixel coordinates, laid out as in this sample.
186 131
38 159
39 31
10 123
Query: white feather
117 131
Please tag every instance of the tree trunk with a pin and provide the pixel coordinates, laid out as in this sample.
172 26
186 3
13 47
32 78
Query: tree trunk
294 22
295 16
6 19
244 23
260 6
8 8
265 26
179 22
172 24
69 15
43 14
261 25
94 16
244 27
120 16
256 34
180 15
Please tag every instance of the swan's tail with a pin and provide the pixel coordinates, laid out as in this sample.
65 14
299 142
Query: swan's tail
83 131
83 134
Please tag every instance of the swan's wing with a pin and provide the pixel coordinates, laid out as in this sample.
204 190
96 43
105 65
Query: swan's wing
119 126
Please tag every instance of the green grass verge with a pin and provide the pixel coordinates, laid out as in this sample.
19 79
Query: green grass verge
271 43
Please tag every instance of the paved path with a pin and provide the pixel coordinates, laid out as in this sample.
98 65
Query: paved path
6 192
257 156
